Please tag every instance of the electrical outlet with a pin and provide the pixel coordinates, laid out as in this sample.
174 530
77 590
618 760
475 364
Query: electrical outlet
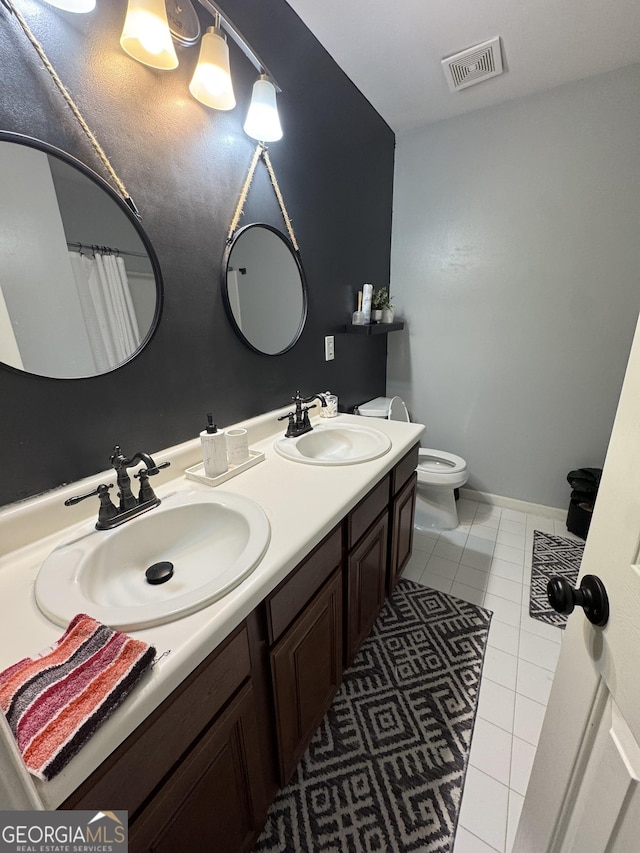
329 348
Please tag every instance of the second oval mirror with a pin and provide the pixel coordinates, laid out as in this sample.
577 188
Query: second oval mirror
264 289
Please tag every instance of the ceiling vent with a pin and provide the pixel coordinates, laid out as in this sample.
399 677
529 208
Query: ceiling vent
473 65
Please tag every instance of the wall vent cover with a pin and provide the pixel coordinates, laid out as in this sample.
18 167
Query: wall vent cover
473 65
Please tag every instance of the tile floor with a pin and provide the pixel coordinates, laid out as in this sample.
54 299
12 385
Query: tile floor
487 560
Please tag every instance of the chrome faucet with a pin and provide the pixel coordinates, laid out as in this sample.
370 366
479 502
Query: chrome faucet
110 515
298 421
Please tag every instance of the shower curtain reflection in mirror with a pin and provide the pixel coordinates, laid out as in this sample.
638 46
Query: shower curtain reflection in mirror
107 308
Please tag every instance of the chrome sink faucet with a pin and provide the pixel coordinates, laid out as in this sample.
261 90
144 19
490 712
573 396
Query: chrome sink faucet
298 421
110 515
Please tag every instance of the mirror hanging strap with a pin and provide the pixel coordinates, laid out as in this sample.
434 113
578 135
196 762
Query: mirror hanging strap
261 153
9 4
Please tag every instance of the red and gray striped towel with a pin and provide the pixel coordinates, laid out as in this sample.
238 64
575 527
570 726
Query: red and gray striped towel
54 703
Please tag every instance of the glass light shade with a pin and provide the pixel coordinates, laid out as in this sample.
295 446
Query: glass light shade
73 5
211 82
263 122
146 35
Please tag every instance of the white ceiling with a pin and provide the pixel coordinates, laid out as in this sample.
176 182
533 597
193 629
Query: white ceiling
392 50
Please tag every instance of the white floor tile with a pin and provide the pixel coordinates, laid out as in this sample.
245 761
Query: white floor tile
496 704
466 509
448 550
509 553
472 577
484 810
491 750
441 566
521 763
507 537
545 525
434 581
526 597
538 650
501 667
475 558
527 721
423 543
534 681
503 610
539 628
466 842
504 637
511 590
415 566
468 593
483 531
505 569
515 809
514 515
488 514
453 537
512 525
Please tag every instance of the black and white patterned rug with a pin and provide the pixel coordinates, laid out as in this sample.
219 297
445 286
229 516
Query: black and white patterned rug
552 555
386 768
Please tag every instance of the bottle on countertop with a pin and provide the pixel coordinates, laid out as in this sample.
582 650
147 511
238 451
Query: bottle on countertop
214 449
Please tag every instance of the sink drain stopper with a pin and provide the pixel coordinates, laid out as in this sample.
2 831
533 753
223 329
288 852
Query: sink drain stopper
159 572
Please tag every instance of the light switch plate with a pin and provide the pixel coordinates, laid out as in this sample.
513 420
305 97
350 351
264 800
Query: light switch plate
329 348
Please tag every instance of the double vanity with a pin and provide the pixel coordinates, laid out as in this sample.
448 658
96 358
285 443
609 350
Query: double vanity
304 545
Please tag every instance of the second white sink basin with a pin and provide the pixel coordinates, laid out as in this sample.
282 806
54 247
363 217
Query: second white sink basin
335 445
213 541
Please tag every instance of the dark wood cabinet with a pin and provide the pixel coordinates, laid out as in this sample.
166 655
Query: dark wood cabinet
216 796
402 511
366 577
306 669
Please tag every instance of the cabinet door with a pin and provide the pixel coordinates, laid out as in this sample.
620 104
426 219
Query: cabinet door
306 669
215 799
366 575
404 505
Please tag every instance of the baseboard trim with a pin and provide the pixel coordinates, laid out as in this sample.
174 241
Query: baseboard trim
513 503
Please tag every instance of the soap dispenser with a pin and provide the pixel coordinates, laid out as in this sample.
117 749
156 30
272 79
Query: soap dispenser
214 449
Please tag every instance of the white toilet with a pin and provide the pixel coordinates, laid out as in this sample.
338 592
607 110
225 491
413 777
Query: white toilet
439 473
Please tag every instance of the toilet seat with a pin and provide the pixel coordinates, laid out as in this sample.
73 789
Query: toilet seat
439 468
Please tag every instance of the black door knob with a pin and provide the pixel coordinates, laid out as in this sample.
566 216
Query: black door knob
590 595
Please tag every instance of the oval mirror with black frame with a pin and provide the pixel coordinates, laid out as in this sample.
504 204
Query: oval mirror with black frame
264 289
80 283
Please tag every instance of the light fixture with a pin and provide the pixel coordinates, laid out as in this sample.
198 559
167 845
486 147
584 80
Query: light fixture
146 35
73 5
263 122
211 82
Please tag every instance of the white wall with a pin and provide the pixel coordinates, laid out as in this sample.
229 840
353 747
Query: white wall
516 266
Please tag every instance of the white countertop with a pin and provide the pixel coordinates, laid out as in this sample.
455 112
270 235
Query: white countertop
303 503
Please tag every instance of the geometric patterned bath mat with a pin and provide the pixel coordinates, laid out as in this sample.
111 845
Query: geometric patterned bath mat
552 555
385 770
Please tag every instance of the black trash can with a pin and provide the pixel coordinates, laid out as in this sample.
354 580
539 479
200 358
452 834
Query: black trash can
584 483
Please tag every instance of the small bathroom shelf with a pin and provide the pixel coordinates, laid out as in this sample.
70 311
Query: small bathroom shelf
371 329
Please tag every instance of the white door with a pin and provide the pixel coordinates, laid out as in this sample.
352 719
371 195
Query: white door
583 795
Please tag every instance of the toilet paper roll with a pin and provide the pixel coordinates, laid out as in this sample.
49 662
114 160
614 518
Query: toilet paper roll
237 446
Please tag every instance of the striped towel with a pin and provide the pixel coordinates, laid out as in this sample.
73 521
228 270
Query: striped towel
55 702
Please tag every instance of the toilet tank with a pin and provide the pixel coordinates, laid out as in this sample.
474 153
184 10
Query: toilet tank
392 408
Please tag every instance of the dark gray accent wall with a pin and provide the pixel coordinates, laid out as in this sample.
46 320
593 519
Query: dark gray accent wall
184 166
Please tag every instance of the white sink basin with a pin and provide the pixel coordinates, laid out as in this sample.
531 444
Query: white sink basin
214 540
335 445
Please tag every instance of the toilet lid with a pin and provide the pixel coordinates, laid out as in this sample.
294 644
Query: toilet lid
440 462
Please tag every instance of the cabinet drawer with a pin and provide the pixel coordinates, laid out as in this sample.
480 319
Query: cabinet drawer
365 513
404 469
133 770
291 597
